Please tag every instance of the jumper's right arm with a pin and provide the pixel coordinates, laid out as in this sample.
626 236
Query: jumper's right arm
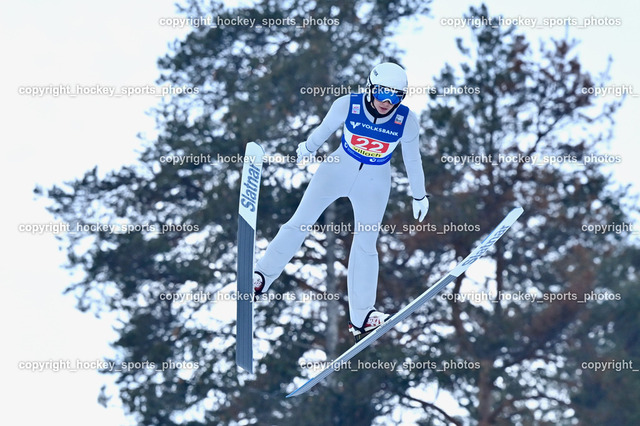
332 121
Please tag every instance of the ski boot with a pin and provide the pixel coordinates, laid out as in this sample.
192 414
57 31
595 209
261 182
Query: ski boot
373 320
258 284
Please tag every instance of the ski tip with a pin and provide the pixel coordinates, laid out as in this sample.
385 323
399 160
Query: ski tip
516 212
255 146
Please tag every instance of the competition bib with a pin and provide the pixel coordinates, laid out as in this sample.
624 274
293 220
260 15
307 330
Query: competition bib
371 143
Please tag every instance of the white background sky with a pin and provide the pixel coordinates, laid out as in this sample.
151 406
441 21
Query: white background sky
51 140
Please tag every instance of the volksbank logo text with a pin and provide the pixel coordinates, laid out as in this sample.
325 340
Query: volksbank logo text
355 124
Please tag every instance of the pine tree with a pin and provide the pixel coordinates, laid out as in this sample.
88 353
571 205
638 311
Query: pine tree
507 357
511 362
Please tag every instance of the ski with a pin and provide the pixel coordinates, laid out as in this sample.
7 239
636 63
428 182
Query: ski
416 303
249 190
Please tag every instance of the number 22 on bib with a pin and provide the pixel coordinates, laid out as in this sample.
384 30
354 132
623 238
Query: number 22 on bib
371 143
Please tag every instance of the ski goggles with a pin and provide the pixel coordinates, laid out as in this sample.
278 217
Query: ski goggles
384 94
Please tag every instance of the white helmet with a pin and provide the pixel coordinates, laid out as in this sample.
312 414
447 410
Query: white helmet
390 76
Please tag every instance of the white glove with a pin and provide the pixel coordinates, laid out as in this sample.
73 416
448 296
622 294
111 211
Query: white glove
420 207
303 152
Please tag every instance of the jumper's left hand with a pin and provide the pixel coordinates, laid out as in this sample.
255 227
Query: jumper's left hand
420 208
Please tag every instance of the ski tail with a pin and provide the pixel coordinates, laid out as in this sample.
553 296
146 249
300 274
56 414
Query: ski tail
248 208
403 313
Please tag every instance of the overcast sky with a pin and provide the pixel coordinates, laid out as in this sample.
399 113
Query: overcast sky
48 140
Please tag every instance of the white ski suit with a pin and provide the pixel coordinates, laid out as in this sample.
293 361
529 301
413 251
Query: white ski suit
360 170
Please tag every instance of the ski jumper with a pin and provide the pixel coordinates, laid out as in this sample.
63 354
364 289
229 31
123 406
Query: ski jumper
360 170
